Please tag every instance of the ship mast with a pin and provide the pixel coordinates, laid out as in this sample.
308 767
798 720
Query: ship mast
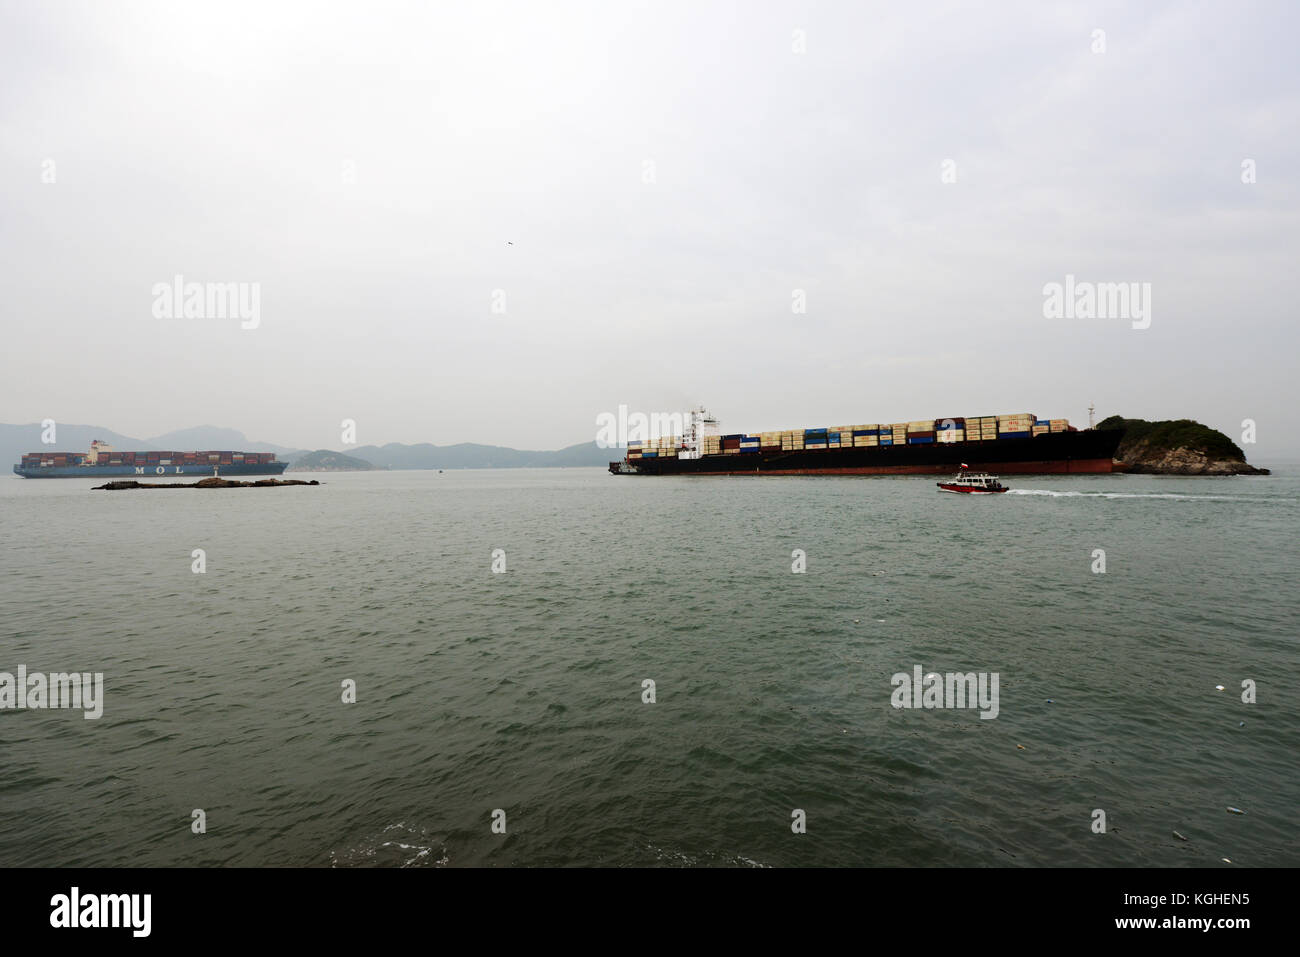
1091 414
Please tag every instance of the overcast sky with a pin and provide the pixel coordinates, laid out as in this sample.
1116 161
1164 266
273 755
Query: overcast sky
669 174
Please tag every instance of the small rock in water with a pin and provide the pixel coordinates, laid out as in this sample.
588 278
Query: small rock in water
1235 810
1179 836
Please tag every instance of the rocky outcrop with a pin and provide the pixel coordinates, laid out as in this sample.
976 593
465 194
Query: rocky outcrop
1177 447
212 482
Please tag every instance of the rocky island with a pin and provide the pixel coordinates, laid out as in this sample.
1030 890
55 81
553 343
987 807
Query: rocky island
211 482
1176 447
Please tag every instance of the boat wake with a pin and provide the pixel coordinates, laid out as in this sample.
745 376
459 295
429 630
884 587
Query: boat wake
1168 495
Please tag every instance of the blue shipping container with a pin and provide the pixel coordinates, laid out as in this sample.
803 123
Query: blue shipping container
814 431
920 439
1014 435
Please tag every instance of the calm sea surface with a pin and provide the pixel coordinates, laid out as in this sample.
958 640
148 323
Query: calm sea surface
522 691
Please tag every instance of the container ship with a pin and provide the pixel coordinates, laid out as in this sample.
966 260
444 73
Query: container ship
103 460
1020 443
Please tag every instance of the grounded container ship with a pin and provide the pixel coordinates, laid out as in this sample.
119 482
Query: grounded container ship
102 460
1015 444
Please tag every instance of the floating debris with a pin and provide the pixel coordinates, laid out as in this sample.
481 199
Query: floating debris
1225 860
1020 747
1050 701
856 621
1179 836
1218 687
1235 810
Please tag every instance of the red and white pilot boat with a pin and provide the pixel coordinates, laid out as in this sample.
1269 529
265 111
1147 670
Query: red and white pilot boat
973 483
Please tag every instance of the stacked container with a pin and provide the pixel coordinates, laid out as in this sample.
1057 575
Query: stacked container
920 432
1018 426
865 436
950 430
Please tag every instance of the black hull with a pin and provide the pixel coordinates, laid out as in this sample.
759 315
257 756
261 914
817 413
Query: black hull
1054 453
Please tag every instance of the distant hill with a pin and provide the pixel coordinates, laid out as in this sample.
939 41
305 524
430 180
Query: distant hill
17 439
468 455
213 437
323 460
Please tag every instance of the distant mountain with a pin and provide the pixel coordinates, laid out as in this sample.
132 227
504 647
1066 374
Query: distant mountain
323 460
468 455
17 439
213 437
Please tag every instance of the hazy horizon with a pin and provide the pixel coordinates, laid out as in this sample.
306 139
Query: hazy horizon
493 224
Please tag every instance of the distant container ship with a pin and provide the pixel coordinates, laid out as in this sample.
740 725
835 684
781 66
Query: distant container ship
103 460
1020 443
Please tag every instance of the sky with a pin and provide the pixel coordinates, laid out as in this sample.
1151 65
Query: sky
493 222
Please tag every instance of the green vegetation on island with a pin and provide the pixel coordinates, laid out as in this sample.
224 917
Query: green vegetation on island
1177 447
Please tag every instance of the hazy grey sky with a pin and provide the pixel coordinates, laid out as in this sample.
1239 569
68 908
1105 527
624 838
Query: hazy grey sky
669 174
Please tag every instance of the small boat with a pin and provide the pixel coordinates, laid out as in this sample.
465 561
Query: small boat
973 483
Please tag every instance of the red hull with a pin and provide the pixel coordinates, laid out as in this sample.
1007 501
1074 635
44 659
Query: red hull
970 489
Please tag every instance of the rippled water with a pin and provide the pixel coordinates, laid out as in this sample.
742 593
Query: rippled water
523 691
